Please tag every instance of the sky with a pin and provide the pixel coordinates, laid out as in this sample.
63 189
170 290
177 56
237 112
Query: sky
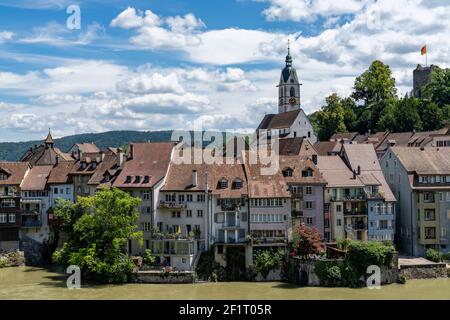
176 64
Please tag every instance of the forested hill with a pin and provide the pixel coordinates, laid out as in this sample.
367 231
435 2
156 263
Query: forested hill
13 151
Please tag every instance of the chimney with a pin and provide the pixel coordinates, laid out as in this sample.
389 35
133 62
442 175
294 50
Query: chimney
102 155
194 178
359 170
130 156
119 157
56 159
354 174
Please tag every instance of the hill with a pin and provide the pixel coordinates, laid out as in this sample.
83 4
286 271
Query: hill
13 151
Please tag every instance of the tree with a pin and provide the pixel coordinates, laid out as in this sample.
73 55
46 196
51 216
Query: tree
307 241
99 227
350 118
376 89
432 116
438 88
331 117
267 260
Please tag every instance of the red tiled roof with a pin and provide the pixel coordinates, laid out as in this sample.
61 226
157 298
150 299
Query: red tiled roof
36 179
60 172
15 171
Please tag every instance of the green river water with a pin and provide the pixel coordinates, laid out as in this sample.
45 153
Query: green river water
37 283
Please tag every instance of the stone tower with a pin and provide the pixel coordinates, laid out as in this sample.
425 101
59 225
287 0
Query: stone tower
421 77
289 87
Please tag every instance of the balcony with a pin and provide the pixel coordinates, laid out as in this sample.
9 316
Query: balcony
297 195
230 206
359 226
355 212
296 213
344 198
231 224
31 223
9 195
270 240
171 205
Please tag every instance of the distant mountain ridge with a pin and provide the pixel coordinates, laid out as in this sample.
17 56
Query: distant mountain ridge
13 151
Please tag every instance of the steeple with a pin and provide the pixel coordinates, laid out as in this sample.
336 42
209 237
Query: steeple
289 86
49 140
288 57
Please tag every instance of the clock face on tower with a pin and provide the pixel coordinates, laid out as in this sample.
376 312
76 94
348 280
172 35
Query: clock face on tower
292 100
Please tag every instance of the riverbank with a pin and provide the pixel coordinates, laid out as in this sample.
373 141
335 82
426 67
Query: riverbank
37 283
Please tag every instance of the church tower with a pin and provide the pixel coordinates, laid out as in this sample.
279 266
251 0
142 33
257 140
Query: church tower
289 87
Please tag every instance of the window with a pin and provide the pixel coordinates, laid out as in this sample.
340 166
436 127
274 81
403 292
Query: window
188 213
309 134
189 197
128 179
287 173
309 220
237 184
220 217
181 198
8 203
146 226
12 218
55 190
292 92
176 214
338 222
3 218
429 215
137 179
199 213
430 233
383 224
146 179
338 208
307 173
146 210
200 198
146 195
308 190
309 204
223 183
183 260
68 191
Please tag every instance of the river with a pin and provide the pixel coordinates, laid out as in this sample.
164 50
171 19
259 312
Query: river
37 283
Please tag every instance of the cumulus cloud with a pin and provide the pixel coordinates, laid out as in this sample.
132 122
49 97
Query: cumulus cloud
151 83
131 18
6 35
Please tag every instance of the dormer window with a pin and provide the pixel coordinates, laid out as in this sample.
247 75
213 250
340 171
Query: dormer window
137 179
287 172
83 165
307 173
94 165
107 178
237 184
223 183
146 179
128 179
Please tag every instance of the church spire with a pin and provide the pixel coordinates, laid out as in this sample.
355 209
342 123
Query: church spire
49 140
288 57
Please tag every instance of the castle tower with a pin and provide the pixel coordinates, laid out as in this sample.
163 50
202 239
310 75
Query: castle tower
289 87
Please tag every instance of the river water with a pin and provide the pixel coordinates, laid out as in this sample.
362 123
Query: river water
37 283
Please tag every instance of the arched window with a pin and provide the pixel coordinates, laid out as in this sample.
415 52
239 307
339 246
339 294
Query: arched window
292 92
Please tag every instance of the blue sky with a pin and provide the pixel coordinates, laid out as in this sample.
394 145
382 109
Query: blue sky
171 64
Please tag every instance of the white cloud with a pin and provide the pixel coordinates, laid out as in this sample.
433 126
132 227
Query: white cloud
55 99
187 23
131 18
6 35
151 83
308 10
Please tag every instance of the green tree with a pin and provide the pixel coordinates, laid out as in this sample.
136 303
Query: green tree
432 116
406 115
331 117
267 260
350 114
438 88
99 228
376 89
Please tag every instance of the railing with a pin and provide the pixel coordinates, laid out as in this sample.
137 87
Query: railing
171 205
231 224
264 240
31 224
11 194
355 212
359 197
31 212
297 195
230 207
358 226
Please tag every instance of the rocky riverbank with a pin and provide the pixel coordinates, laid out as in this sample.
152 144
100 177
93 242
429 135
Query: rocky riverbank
12 259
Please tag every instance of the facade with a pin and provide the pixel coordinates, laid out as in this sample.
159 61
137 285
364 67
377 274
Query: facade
420 180
306 186
11 175
35 203
380 199
143 174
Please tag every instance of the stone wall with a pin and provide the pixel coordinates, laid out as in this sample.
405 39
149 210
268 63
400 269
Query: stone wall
33 251
274 275
155 276
12 258
424 271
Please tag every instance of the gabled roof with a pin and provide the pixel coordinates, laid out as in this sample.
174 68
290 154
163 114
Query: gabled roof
87 147
424 160
16 172
345 135
60 172
297 165
336 173
149 159
36 179
41 155
278 121
109 162
295 146
327 148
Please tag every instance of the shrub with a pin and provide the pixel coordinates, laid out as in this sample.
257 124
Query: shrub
149 258
445 256
329 273
267 260
3 263
307 241
433 255
360 255
208 269
401 279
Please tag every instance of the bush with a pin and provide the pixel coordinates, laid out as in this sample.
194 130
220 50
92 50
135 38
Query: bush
149 258
401 279
329 273
268 260
445 256
208 269
3 263
433 255
360 255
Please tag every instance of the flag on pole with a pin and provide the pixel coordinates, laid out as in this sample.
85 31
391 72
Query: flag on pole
423 50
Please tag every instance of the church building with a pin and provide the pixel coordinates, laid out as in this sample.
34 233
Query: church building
291 121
